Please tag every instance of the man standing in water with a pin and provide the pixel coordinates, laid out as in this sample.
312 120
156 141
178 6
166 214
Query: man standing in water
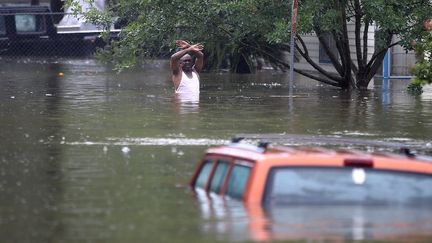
185 72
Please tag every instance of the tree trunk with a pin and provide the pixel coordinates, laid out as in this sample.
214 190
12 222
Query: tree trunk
362 81
242 65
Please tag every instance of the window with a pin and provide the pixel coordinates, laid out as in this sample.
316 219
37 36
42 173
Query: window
303 185
237 181
204 174
27 24
219 176
323 57
2 25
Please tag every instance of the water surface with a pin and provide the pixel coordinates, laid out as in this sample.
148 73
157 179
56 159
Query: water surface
89 155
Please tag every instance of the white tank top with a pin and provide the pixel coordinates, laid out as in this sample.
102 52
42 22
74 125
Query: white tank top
189 85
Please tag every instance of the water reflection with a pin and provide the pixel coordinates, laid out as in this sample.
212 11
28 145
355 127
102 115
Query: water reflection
30 173
64 177
321 223
349 222
227 218
186 103
385 91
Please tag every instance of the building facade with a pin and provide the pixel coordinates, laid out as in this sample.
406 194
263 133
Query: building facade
401 61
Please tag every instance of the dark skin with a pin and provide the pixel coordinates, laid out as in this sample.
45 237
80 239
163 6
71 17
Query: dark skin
427 24
183 61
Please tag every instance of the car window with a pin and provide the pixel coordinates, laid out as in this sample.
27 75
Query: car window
27 23
237 181
2 25
302 185
204 174
219 176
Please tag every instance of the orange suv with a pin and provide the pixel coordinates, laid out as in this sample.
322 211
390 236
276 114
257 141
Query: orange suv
279 175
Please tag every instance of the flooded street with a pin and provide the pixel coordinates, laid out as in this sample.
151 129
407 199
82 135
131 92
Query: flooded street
90 155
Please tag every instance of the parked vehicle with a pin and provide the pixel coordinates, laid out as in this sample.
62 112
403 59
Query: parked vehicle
277 175
30 30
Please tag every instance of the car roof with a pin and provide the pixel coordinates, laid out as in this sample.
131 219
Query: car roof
24 9
274 155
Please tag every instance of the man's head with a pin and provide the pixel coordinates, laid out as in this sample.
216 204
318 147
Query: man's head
427 24
186 63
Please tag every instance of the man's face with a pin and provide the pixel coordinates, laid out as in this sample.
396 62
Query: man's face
427 24
186 62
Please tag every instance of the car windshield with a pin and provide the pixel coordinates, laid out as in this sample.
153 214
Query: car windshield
364 186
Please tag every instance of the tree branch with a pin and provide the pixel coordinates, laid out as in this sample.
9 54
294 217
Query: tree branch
378 53
358 17
314 64
333 58
365 40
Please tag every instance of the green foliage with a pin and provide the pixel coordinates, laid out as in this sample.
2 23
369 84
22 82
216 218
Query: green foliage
92 15
237 33
422 71
234 33
415 88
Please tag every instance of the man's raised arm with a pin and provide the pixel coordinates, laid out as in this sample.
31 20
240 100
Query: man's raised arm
195 50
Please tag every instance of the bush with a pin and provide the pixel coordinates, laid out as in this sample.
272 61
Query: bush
422 71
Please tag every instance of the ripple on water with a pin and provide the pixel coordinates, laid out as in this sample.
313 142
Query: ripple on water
153 141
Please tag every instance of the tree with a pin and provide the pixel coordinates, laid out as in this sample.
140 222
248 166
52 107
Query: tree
237 34
233 32
422 71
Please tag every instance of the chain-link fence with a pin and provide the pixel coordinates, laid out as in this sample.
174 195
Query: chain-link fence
34 31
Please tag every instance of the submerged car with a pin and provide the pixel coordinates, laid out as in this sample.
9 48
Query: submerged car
278 175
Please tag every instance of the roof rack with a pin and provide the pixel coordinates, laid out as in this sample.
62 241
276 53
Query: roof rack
263 147
318 140
406 151
236 139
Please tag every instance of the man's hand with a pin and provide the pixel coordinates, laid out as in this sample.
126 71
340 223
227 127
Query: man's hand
185 45
182 44
196 47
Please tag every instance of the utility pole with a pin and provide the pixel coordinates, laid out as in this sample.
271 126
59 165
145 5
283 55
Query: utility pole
292 44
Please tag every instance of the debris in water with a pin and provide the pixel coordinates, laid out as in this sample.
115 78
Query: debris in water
125 150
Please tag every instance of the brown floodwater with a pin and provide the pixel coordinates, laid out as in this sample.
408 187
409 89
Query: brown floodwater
91 155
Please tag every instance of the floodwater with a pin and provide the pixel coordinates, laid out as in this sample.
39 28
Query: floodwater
89 155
